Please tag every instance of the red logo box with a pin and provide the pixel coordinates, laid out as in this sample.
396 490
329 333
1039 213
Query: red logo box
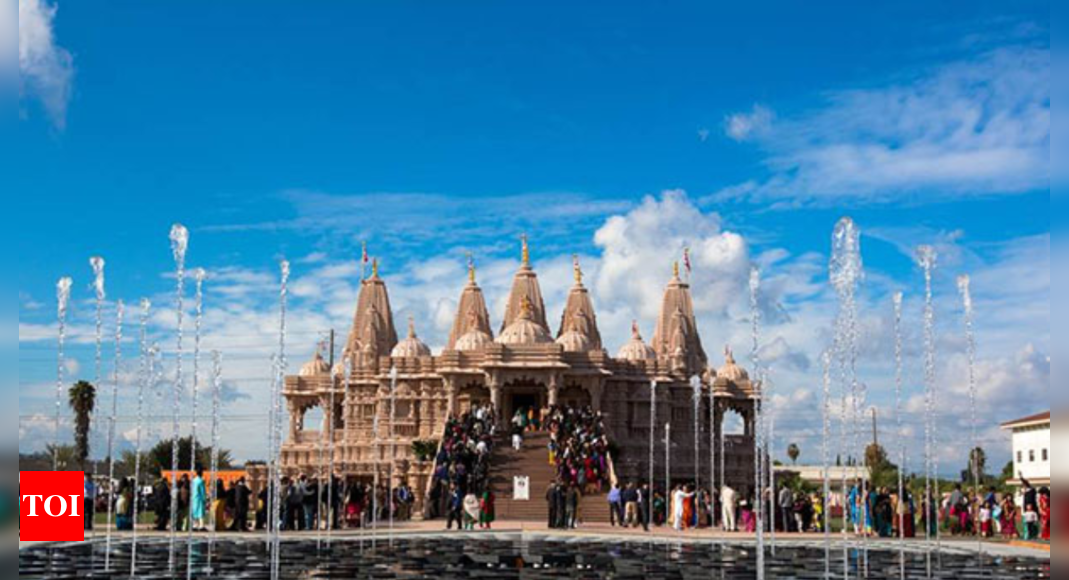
51 506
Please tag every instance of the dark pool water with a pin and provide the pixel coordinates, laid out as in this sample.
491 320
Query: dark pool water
502 559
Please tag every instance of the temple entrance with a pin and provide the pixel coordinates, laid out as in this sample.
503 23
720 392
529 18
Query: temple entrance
523 401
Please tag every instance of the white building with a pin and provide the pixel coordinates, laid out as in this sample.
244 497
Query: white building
1031 449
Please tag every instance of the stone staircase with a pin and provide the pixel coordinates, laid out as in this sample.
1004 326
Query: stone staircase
533 461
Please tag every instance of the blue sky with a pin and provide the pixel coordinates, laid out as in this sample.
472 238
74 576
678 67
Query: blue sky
300 129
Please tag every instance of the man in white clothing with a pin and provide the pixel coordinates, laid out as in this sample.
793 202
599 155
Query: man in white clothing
678 499
729 499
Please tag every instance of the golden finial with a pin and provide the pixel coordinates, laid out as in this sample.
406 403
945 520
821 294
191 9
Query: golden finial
375 268
411 326
526 251
675 269
729 356
578 270
634 330
471 268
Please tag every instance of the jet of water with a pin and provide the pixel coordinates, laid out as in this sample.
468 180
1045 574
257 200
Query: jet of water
393 446
120 312
280 374
927 257
97 264
63 297
759 496
179 245
144 376
198 278
696 387
826 455
964 288
846 272
217 390
713 434
653 440
899 380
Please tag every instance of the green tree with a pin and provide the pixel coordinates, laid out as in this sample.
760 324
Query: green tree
67 457
158 459
1007 472
794 452
82 400
883 472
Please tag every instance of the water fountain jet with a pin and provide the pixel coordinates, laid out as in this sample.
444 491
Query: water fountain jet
63 296
179 245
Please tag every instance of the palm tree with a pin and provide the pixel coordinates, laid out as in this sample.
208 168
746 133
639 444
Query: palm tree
82 401
65 455
794 452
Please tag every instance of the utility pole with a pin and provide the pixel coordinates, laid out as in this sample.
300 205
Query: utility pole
332 351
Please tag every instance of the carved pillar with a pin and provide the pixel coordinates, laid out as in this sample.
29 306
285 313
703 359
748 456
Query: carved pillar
451 397
495 396
296 417
596 391
554 390
328 417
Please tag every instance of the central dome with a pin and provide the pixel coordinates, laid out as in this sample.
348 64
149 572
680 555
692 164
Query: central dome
411 347
636 350
473 341
524 331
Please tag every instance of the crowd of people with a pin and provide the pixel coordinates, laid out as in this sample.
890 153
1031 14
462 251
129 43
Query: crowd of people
460 487
989 514
578 448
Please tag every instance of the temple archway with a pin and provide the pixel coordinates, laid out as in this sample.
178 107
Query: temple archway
522 395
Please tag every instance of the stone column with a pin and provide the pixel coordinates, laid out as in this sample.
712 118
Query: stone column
296 415
554 390
328 417
495 396
451 396
596 391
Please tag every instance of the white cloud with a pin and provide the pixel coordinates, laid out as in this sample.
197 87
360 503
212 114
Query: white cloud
744 126
638 249
46 70
977 127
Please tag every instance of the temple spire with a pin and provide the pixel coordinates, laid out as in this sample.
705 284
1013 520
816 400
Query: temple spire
471 311
525 285
579 317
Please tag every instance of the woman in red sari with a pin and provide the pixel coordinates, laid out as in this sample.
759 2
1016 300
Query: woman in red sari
1044 514
1008 520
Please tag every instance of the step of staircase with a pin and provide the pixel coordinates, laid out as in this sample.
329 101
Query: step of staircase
533 461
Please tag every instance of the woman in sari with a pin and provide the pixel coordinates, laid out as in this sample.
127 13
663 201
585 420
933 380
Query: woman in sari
1044 514
488 512
472 511
1008 520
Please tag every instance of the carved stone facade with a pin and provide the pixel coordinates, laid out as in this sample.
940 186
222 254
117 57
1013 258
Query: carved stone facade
525 365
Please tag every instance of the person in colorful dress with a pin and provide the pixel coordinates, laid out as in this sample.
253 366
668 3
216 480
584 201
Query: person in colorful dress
488 514
1008 518
198 510
472 511
1044 514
